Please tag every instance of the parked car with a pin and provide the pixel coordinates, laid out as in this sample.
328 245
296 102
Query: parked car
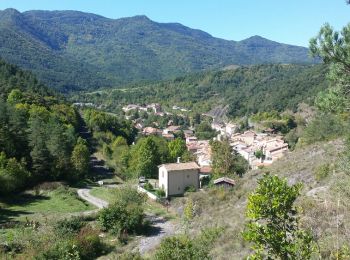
142 179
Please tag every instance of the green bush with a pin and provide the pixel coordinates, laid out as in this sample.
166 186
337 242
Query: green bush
322 171
69 226
88 243
148 186
182 247
323 128
190 188
125 215
160 193
61 251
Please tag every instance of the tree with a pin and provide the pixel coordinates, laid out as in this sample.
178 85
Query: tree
80 159
204 131
273 227
334 49
15 96
225 161
176 148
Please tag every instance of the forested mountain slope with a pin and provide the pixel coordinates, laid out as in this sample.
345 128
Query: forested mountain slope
38 133
72 50
245 90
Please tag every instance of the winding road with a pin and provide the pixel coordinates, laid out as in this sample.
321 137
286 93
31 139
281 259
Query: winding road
160 227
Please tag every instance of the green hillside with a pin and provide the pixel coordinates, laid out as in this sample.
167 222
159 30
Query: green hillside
245 89
72 50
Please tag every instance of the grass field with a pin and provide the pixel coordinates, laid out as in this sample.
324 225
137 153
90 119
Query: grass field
104 193
42 206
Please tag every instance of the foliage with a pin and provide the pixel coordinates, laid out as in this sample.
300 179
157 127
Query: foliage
68 227
259 154
182 247
188 211
37 131
225 161
160 193
125 214
273 226
111 52
13 175
88 242
204 131
190 188
99 121
148 186
247 90
176 148
322 171
333 48
80 159
322 128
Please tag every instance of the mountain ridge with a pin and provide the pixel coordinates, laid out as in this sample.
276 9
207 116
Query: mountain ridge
73 50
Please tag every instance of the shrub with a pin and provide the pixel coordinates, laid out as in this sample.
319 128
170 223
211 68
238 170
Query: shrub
190 188
61 251
130 256
182 247
69 226
324 127
322 171
148 186
125 215
160 193
88 243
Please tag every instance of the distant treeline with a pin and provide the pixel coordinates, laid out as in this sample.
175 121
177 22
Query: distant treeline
247 90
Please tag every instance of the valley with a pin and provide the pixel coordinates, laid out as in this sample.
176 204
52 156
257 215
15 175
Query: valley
127 138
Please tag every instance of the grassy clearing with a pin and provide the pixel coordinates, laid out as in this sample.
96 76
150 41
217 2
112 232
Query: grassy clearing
154 208
107 194
42 206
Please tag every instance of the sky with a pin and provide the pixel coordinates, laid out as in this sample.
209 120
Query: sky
286 21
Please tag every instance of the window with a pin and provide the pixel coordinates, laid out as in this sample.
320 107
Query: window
162 174
188 176
178 188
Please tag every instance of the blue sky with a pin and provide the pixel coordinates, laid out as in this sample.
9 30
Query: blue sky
288 21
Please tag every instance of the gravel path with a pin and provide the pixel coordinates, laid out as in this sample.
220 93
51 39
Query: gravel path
85 195
160 227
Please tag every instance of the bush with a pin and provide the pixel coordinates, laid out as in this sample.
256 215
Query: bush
148 186
61 251
69 226
322 171
160 193
182 247
125 215
190 188
324 127
88 243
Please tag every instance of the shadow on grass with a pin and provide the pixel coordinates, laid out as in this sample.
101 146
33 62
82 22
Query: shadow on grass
22 200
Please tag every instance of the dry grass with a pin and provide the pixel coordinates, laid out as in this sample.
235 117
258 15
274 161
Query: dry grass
318 202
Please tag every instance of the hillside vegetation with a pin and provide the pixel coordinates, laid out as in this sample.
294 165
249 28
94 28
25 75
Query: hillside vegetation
72 50
246 89
318 167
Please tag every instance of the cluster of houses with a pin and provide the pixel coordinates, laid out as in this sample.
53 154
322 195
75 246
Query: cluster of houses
259 149
155 107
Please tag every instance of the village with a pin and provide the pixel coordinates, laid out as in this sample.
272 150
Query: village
259 149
